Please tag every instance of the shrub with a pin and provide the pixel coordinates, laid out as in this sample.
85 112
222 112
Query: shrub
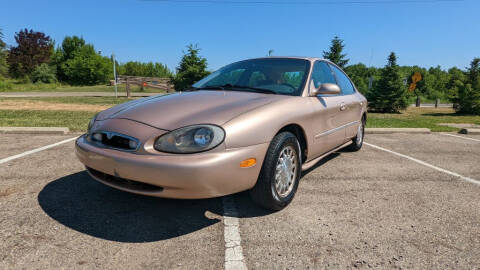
43 73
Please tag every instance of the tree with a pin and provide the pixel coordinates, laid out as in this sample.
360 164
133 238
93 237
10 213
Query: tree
88 67
389 93
79 64
67 51
360 75
191 69
133 68
3 56
468 100
456 81
33 48
335 53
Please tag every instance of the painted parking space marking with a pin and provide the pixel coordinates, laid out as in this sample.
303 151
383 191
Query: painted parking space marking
463 137
464 178
5 160
233 249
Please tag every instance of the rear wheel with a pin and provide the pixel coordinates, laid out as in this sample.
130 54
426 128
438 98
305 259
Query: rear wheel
280 173
357 141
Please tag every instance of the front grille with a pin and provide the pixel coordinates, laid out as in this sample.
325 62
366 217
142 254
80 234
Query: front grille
124 183
115 140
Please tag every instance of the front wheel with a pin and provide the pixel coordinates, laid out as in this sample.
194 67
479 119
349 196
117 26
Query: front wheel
280 173
357 141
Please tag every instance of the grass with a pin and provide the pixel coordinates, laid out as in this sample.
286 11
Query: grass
76 121
421 118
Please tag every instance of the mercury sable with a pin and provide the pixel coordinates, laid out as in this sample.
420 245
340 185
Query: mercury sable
252 125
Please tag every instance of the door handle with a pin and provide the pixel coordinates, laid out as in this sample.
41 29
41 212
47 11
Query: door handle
343 106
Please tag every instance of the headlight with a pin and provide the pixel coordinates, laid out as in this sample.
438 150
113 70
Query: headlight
90 124
191 139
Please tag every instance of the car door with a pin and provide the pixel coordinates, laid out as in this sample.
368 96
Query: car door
328 118
353 107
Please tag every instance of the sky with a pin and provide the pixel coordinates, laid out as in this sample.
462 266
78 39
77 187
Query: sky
445 33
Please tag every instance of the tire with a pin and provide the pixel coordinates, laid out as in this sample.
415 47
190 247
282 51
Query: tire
357 141
284 153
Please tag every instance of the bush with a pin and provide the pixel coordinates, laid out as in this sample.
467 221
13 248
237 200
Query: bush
43 73
5 85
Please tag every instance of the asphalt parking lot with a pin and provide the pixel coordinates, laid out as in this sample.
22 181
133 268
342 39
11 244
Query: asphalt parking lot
368 209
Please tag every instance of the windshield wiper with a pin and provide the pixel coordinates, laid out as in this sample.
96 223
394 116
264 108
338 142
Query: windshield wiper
232 87
213 87
255 89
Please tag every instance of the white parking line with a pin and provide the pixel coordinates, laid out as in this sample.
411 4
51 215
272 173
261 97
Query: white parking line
464 178
35 150
233 249
463 137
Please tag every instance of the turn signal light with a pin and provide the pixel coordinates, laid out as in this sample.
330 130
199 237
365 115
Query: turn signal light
248 163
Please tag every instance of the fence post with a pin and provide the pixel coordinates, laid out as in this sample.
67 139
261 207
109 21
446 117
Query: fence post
437 101
417 104
127 87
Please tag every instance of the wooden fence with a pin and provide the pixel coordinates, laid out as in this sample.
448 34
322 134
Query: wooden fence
153 82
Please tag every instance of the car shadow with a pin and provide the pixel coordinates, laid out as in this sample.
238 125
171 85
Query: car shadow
84 205
323 161
87 206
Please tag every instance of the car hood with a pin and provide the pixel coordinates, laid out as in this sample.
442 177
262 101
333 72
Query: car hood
177 110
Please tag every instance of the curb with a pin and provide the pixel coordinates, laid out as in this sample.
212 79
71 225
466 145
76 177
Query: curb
35 130
397 130
474 131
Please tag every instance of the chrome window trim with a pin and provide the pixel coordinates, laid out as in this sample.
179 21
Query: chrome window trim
333 130
109 135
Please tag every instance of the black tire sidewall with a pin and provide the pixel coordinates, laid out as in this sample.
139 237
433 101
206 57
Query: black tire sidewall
288 140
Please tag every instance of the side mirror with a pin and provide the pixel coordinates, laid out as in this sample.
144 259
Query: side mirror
325 89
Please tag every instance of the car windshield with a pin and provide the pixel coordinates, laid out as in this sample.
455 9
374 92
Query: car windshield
285 76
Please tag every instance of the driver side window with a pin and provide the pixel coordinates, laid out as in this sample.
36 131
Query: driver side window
322 74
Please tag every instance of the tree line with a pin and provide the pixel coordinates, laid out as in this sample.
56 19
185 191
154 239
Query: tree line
34 58
387 88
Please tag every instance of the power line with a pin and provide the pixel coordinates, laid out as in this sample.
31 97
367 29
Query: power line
353 2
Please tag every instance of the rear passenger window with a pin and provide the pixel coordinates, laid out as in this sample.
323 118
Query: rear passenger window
322 74
343 81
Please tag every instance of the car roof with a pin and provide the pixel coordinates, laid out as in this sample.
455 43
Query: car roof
292 57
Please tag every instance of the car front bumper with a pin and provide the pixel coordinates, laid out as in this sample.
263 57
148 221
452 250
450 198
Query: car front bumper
188 176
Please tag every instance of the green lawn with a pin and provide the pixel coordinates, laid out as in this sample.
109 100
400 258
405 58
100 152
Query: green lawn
76 121
421 118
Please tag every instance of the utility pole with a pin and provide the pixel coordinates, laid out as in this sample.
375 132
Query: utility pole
114 76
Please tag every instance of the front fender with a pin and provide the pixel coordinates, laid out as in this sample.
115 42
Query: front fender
262 124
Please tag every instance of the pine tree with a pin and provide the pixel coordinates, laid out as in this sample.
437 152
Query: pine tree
389 94
468 100
335 53
191 69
